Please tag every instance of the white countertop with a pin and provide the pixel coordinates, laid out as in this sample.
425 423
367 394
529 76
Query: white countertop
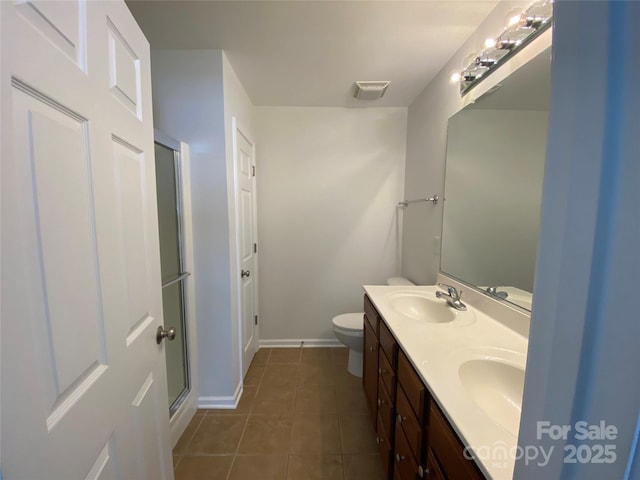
436 351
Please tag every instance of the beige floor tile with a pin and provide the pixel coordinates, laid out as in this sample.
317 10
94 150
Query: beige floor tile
275 401
261 357
317 356
351 400
357 435
278 375
340 356
341 376
312 374
259 467
315 467
285 355
188 434
316 399
266 434
361 467
207 467
254 375
217 434
315 434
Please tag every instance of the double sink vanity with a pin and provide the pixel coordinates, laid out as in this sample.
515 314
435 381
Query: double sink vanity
444 380
444 386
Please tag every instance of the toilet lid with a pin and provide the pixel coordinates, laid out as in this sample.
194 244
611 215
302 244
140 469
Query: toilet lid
350 321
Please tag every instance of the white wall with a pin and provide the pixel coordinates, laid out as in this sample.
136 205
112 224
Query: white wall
328 183
426 150
195 94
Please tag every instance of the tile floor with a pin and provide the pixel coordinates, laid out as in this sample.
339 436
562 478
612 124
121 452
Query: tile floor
302 417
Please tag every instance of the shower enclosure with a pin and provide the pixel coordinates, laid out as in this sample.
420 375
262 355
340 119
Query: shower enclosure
172 259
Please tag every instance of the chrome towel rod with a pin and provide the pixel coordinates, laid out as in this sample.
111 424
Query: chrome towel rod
433 199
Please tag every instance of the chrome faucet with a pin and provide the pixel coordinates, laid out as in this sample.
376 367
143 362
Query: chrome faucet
494 291
452 297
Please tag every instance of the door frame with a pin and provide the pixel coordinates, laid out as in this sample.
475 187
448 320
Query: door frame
235 127
183 415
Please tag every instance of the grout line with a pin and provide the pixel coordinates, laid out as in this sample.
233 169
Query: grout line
195 430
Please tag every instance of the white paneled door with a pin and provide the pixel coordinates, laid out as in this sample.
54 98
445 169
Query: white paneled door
83 379
244 158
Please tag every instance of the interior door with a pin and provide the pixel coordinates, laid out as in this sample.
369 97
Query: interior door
83 380
244 158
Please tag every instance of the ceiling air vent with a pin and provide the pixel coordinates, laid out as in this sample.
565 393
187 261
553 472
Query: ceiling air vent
370 90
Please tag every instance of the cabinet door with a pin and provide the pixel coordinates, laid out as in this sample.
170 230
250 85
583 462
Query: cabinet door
448 448
370 370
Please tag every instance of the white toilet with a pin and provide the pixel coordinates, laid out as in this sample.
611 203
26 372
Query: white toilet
349 329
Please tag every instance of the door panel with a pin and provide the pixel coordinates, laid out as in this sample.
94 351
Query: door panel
63 25
80 264
60 166
129 167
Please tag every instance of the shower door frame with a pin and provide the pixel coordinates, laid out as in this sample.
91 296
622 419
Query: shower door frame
187 402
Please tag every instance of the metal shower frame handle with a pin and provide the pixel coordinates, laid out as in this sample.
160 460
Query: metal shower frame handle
433 199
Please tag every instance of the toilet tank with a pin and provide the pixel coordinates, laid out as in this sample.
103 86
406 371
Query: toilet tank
399 281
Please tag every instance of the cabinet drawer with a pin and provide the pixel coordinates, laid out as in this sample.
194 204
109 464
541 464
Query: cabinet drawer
406 418
386 374
403 458
448 449
384 446
386 409
433 471
371 315
388 344
413 387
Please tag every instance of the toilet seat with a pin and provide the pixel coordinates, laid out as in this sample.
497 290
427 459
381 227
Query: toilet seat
352 322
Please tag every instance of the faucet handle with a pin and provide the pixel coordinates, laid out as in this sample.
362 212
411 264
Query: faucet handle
452 291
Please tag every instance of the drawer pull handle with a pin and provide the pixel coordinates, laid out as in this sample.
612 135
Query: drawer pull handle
379 440
380 402
423 471
399 457
401 418
381 371
371 349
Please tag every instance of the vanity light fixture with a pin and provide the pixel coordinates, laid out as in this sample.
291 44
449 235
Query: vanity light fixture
522 26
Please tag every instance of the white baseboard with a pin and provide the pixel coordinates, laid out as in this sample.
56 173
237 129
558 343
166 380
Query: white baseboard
298 342
229 402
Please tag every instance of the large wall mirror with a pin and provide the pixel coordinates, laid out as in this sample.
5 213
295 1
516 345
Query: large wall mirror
493 184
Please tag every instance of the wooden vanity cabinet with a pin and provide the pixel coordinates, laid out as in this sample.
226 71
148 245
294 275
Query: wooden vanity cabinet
370 368
447 448
414 438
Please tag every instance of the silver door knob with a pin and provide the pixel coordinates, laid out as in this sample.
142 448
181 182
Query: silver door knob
161 334
399 457
245 273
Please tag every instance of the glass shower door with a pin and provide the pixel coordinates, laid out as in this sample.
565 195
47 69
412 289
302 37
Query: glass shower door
173 274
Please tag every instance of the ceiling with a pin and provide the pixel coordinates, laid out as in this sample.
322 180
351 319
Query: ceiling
309 53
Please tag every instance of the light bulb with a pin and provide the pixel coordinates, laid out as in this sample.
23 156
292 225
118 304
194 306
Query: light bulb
513 17
490 43
539 13
455 77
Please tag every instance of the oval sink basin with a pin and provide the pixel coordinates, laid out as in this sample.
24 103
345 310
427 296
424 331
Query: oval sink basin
420 307
496 387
